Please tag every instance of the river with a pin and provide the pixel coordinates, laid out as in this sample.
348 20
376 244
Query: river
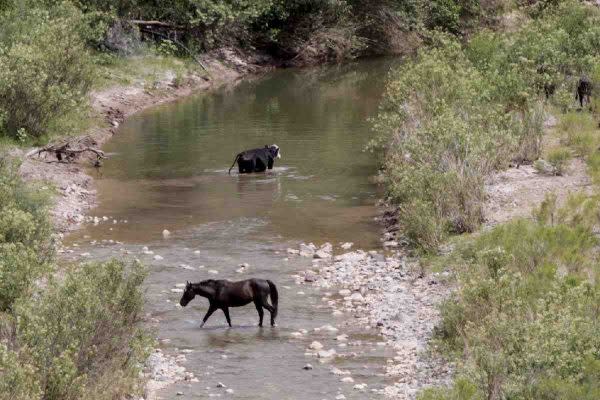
168 170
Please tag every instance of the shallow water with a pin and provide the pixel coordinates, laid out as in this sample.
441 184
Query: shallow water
168 170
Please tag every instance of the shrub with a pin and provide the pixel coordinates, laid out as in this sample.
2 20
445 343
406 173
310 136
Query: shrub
558 159
525 314
44 66
26 249
82 336
444 129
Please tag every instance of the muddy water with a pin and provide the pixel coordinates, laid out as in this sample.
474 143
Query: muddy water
168 170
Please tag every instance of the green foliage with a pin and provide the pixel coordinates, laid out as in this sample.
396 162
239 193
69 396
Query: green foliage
525 317
77 336
444 128
44 66
25 247
82 336
558 158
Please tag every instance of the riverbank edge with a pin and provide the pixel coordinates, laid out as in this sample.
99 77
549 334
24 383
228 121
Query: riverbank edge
74 185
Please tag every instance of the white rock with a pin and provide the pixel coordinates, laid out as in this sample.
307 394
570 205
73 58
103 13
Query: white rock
158 258
221 385
166 233
315 346
321 254
360 386
180 285
347 245
326 353
213 271
342 338
197 252
307 367
177 290
347 379
296 334
344 292
229 391
357 297
293 251
340 397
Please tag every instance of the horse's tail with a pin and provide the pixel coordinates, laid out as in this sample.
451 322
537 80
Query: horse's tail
274 297
234 161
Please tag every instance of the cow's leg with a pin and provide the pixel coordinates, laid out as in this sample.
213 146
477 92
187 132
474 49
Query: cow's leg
261 313
211 309
226 312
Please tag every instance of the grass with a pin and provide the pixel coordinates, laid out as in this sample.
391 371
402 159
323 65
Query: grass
147 69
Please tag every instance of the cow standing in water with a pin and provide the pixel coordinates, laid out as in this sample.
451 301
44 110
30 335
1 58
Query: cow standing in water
584 90
222 294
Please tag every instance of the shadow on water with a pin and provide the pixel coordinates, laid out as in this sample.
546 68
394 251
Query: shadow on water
169 171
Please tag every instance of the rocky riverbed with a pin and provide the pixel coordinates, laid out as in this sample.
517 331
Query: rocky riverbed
387 293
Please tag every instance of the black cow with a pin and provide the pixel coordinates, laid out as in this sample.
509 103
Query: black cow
256 160
584 90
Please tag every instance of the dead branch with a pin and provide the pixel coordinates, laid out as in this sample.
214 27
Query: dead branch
68 150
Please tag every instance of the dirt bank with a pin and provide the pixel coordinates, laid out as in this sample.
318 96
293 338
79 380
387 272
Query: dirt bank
75 187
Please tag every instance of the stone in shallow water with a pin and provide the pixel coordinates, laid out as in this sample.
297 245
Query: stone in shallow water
347 379
326 353
315 346
307 367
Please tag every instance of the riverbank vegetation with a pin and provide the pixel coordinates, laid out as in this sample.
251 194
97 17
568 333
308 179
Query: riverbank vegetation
52 53
461 111
523 320
69 335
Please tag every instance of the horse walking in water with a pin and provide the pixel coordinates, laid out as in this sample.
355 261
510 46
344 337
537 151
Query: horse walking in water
224 294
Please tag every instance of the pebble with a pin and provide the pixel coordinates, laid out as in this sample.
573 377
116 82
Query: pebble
221 385
166 233
307 367
197 252
347 379
179 393
158 258
213 271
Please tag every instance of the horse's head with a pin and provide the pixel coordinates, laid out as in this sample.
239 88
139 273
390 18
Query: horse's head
188 294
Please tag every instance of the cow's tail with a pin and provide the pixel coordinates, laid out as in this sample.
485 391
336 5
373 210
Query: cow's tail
234 161
274 297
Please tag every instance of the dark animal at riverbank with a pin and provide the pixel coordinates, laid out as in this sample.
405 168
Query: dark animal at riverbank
584 90
256 160
222 294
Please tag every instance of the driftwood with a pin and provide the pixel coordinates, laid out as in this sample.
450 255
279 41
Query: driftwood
67 151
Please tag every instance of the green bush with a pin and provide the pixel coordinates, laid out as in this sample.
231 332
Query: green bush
82 336
524 319
26 249
444 128
17 382
45 69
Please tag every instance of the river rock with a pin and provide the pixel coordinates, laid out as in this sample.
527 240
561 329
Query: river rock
221 385
293 251
328 328
347 245
344 292
196 251
158 258
307 367
321 254
315 346
339 372
180 285
213 271
340 397
357 297
342 338
326 353
166 233
360 386
296 334
229 391
310 276
347 379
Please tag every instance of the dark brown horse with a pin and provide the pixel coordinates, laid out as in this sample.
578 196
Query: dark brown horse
224 294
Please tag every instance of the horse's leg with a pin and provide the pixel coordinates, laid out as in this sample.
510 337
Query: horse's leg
226 312
271 310
261 313
211 309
